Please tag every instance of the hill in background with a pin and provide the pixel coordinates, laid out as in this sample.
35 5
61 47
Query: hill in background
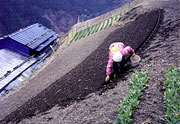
58 15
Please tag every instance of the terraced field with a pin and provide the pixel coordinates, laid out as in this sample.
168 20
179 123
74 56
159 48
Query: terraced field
71 85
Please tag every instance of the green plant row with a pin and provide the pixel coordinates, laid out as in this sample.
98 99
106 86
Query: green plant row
74 37
79 33
131 100
100 26
95 28
107 23
111 21
116 18
172 95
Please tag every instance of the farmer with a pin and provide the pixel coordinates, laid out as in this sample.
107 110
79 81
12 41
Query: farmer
117 54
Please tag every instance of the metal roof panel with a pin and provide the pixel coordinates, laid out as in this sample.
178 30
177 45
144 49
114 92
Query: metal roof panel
27 35
41 40
46 43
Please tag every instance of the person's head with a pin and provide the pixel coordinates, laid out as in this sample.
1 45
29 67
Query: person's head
117 57
113 47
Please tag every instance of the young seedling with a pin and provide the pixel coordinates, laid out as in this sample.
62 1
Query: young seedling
131 100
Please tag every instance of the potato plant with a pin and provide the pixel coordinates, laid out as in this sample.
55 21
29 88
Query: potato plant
131 100
172 95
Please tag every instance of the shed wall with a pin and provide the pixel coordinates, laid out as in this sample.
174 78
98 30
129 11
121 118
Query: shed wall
3 43
18 47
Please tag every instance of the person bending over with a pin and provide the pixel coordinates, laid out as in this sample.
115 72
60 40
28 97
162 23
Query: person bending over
117 54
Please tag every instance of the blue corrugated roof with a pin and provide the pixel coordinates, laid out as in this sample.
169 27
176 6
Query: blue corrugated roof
32 36
41 40
46 43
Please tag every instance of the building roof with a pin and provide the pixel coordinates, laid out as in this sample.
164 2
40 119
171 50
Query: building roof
46 43
32 36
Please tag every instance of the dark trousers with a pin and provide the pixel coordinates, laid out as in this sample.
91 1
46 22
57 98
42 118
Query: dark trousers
117 68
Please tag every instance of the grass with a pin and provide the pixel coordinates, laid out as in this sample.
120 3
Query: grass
111 21
116 18
131 100
95 28
98 27
172 95
83 32
102 25
86 31
91 30
79 34
74 37
107 23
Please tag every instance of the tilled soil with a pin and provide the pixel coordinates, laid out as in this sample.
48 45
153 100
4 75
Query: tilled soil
158 54
88 76
80 97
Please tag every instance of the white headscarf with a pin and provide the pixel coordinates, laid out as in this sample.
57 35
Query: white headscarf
117 57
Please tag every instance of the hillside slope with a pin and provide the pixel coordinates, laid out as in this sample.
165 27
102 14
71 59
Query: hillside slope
69 89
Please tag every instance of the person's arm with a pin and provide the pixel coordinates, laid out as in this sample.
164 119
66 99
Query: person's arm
131 50
107 78
127 53
133 54
127 50
109 68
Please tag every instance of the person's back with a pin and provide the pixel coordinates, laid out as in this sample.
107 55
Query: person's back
117 53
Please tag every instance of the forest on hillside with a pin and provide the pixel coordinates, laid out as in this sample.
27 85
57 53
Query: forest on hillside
58 15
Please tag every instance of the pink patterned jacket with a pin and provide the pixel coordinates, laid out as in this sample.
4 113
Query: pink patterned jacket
123 50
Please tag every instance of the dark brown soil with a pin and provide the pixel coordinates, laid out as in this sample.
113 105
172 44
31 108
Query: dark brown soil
87 77
160 53
151 108
157 54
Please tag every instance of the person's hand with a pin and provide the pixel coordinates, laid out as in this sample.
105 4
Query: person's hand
133 54
107 78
